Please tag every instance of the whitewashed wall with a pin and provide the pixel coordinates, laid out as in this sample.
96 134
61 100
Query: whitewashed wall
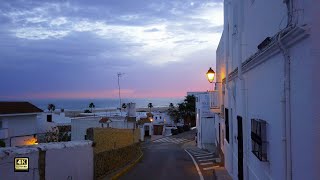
205 120
79 126
264 88
62 160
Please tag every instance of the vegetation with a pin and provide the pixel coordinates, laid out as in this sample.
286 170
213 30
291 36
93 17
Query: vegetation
51 107
173 113
91 106
57 135
87 111
150 106
124 105
52 135
2 143
186 111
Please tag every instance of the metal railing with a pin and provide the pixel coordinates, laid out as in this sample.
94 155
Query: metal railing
214 102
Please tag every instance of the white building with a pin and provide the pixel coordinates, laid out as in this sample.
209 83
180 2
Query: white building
47 120
205 121
18 122
80 125
268 63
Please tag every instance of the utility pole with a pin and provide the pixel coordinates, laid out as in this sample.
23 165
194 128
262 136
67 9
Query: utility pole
119 75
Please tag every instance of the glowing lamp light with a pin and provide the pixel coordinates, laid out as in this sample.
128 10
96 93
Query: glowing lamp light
210 75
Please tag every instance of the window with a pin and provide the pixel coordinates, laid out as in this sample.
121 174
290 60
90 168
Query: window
160 117
49 118
0 124
226 115
156 117
258 139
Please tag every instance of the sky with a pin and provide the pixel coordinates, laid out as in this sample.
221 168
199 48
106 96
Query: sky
75 48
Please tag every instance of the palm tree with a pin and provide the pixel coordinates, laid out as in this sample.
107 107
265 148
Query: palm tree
51 107
91 106
150 106
124 106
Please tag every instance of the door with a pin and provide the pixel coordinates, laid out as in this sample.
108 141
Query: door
240 148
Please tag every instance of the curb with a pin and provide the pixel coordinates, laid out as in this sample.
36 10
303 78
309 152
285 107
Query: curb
127 168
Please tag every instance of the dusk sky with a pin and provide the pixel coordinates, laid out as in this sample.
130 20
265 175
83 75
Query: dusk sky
74 49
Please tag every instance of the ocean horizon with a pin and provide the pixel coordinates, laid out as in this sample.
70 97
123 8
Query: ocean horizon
102 103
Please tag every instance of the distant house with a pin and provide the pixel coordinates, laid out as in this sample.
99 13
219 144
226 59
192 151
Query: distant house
18 122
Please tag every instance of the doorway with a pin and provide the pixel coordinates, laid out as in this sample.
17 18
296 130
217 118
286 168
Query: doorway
240 148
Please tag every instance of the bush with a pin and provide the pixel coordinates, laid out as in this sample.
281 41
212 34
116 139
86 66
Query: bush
180 129
2 143
186 127
174 131
87 111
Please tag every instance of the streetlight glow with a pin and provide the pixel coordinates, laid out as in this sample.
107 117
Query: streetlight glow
210 75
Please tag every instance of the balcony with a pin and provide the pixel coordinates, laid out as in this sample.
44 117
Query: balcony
214 103
4 133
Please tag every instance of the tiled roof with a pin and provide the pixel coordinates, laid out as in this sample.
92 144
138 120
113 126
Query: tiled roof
18 108
104 120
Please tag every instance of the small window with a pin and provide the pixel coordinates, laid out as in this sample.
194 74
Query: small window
258 139
0 124
160 117
156 117
49 118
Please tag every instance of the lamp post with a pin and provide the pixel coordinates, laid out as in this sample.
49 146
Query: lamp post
210 75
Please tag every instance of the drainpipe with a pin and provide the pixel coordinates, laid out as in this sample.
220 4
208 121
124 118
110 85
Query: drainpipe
286 108
243 110
227 57
286 100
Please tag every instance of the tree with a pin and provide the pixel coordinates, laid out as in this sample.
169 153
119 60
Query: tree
187 110
150 106
173 113
91 106
51 107
124 105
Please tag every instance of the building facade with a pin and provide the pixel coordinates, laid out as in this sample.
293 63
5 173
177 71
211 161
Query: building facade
18 123
267 69
205 121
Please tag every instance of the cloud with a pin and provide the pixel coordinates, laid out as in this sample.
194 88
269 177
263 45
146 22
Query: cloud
79 46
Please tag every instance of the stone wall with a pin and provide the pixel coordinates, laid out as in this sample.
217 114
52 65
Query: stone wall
107 162
106 139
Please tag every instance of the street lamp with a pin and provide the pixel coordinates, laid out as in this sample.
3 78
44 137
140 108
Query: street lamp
210 75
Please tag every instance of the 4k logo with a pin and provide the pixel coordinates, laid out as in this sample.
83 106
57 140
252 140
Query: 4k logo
21 164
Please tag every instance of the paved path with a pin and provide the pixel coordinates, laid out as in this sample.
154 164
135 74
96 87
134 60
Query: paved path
163 161
205 161
172 140
173 158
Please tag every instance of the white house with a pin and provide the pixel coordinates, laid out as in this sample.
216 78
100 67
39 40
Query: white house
268 83
47 120
18 122
205 121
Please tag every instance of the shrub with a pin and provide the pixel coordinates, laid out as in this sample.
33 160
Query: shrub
2 143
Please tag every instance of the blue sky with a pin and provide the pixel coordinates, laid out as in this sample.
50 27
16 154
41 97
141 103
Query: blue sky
74 49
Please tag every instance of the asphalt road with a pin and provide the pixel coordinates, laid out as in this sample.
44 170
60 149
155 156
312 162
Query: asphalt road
166 160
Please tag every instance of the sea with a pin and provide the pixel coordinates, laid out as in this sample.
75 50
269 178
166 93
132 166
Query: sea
108 103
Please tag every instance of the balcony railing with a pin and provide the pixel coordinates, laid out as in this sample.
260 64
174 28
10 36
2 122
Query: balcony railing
215 104
4 133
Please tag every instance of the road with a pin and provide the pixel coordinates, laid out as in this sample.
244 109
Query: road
167 158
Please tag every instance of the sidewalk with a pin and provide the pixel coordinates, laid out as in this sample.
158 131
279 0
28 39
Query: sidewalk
220 172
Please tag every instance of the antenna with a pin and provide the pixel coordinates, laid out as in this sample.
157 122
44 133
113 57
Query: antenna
119 75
